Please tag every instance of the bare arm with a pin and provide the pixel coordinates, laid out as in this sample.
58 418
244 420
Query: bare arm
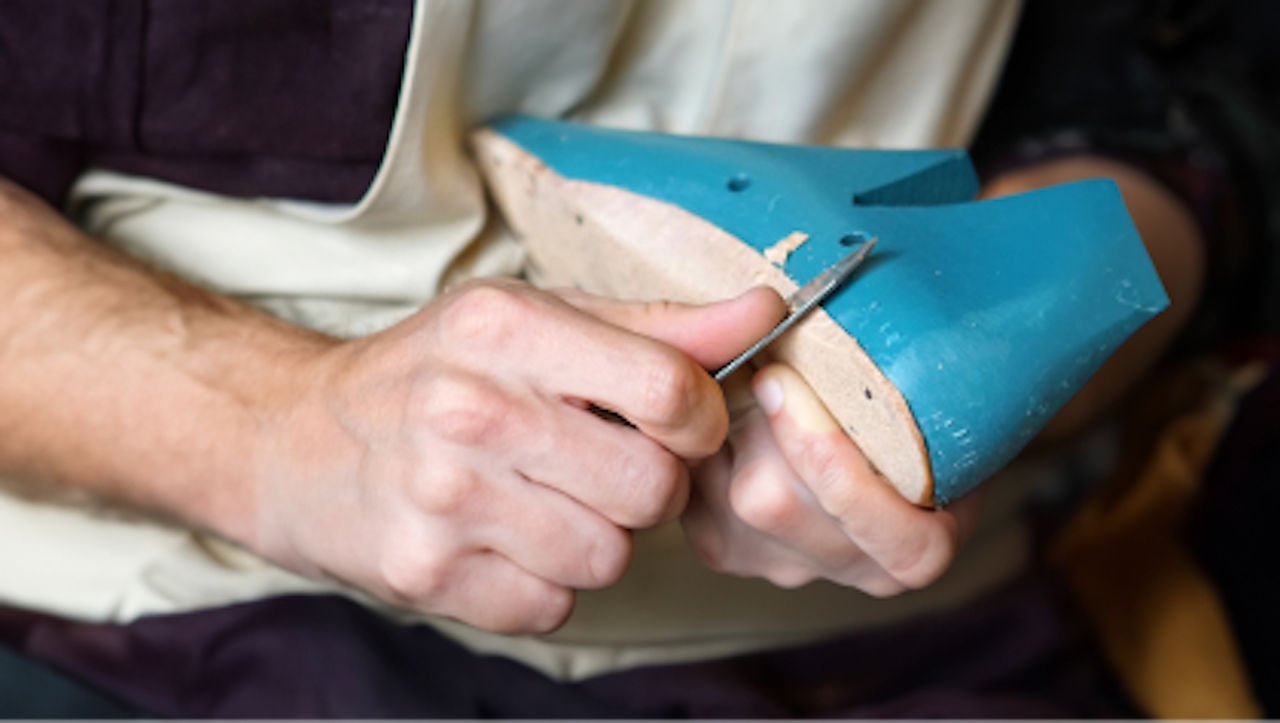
432 464
127 384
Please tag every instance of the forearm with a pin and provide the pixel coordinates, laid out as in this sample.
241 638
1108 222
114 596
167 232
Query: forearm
130 385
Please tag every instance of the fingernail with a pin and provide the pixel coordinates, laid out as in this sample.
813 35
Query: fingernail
775 298
803 406
768 395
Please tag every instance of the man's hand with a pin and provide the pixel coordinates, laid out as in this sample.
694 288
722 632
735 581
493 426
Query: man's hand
453 464
790 498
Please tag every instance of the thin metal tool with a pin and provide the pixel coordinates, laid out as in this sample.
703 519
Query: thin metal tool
802 301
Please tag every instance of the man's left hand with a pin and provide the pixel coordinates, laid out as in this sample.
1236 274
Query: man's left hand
791 498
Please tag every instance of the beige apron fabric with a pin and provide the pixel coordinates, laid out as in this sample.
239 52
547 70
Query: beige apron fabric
877 73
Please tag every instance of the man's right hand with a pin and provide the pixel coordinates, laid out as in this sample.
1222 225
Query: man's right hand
453 463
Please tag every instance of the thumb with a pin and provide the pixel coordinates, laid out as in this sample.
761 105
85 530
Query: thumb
713 334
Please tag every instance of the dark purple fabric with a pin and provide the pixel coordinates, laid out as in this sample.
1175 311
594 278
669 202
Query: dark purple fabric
272 97
1016 653
1188 91
45 166
1012 654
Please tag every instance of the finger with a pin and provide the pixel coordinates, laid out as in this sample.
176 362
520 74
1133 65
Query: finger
788 554
768 496
550 535
702 527
723 540
867 576
620 473
663 392
788 535
728 545
490 507
738 397
490 592
911 544
713 334
534 340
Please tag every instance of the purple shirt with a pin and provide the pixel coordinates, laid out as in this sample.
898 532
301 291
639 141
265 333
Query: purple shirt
289 98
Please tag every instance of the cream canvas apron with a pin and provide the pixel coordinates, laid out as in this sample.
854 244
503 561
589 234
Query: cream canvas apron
873 73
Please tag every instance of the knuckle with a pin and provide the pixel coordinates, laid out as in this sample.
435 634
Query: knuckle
412 576
549 611
609 557
485 315
764 501
841 495
531 606
448 491
465 411
671 388
824 461
656 485
920 561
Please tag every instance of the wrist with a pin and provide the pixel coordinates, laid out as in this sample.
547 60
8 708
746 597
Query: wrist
292 441
260 397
